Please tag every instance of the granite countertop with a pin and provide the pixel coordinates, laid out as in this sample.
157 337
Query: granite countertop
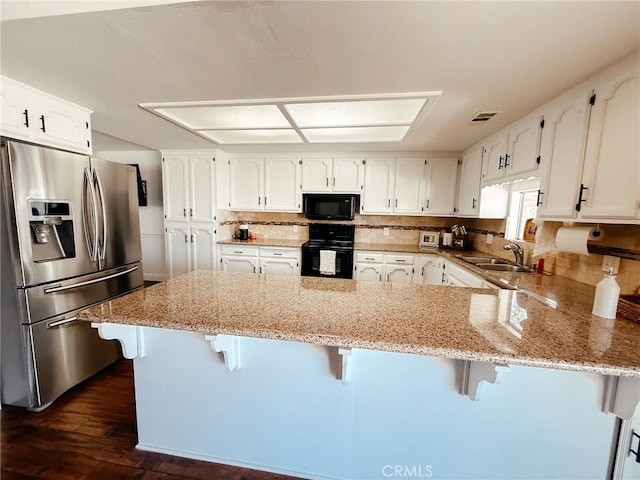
505 326
264 242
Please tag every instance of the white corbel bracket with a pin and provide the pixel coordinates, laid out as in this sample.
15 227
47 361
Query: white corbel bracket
345 373
229 346
622 395
131 337
474 373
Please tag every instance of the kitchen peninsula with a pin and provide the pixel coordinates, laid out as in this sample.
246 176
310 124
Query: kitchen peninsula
332 378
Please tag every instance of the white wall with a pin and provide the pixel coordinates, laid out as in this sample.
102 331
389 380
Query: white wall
151 216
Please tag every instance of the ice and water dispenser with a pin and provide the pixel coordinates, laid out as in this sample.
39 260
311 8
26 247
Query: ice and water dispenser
51 230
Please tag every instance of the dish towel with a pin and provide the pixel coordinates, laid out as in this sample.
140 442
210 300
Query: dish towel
328 262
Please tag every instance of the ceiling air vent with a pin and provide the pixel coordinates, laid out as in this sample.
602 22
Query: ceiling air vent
482 117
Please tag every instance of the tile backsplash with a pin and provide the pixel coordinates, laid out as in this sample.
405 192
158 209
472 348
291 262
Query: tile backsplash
618 240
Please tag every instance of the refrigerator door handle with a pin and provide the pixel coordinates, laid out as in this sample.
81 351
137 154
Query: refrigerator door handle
62 322
92 240
103 208
89 282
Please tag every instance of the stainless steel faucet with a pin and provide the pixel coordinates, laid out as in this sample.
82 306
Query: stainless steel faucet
517 250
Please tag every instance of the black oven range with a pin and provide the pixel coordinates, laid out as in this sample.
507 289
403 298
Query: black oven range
329 251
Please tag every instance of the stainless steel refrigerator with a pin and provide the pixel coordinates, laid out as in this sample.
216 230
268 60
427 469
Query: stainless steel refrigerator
69 238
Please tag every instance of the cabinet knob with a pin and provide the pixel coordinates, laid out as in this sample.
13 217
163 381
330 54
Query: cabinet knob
500 163
473 204
42 121
26 118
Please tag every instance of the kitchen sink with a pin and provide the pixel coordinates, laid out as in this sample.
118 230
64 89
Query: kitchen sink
505 267
485 260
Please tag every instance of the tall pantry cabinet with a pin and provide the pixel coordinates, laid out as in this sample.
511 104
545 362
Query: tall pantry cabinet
189 189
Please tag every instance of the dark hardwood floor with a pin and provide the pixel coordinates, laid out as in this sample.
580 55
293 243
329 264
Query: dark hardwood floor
90 433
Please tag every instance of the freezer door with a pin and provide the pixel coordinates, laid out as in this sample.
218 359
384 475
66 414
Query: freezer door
66 351
118 215
43 191
56 298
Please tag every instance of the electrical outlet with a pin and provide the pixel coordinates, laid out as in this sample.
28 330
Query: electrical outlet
489 238
610 262
295 228
385 231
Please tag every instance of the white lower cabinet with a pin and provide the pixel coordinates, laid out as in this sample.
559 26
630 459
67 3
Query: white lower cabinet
427 270
457 276
251 259
379 267
398 268
369 266
239 259
189 247
280 261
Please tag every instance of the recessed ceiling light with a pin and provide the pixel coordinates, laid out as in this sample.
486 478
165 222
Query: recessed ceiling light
355 134
353 119
209 117
252 136
360 113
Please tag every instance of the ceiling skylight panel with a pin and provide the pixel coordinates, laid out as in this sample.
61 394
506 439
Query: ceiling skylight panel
355 113
252 136
355 134
212 117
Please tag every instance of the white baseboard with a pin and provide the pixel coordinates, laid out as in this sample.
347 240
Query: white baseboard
154 277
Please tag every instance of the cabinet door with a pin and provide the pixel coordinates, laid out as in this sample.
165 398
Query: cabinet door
281 266
175 177
202 247
245 184
409 185
442 175
427 270
611 172
561 155
282 185
178 248
469 187
524 143
368 272
60 123
495 151
239 264
15 114
398 273
202 186
378 185
347 175
315 174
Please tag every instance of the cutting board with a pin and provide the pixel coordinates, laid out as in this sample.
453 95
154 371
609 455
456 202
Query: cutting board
530 228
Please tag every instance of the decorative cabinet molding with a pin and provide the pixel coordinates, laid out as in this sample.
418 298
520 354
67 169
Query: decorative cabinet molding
475 373
130 337
229 345
332 174
35 116
622 395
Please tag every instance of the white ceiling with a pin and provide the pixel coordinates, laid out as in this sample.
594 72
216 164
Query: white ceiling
504 56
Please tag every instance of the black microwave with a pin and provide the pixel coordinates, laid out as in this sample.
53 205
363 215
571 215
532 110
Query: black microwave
330 206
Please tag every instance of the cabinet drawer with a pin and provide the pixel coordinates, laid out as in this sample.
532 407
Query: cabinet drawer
239 250
369 258
400 259
278 252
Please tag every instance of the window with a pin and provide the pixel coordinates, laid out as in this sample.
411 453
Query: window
523 206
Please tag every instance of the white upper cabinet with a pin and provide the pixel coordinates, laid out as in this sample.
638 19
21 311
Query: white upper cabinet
513 152
326 174
246 183
611 175
35 116
562 151
524 146
377 193
591 147
189 187
282 185
495 149
409 186
265 184
442 175
469 185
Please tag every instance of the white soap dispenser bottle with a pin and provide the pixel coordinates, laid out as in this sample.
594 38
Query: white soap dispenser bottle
605 302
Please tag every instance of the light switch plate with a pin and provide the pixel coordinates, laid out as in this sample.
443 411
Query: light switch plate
609 262
385 231
295 228
489 238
